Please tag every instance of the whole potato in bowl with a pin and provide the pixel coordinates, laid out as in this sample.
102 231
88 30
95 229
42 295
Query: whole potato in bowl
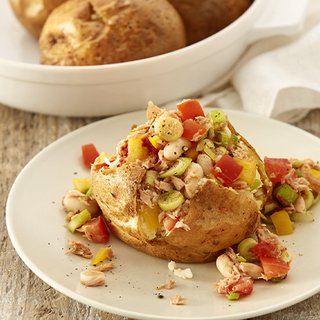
91 32
33 13
206 17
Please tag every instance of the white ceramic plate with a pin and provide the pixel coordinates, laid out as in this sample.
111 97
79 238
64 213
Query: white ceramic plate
35 223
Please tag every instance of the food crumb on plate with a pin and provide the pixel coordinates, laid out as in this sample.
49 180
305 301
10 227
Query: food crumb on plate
170 284
177 300
92 278
79 249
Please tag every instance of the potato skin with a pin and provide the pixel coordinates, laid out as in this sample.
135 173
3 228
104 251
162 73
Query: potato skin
91 32
218 217
206 17
33 13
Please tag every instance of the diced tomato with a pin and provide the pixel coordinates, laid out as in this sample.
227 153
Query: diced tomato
274 268
96 230
277 168
264 249
89 154
190 109
192 130
243 286
229 170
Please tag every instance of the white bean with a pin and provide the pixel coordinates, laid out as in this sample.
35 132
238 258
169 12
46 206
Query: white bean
251 269
194 171
225 265
205 162
173 150
75 201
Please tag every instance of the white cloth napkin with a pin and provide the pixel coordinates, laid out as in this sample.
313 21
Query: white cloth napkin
278 77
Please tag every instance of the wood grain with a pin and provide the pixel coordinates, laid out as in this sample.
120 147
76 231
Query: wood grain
23 295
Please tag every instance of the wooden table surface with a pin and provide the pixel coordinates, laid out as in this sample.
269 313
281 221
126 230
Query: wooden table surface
22 294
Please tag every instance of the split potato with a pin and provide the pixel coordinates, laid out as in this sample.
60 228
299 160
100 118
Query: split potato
93 32
33 13
204 18
187 206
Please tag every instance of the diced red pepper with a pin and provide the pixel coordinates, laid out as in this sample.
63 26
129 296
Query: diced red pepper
89 154
190 109
264 249
192 130
277 168
274 268
243 286
96 230
228 170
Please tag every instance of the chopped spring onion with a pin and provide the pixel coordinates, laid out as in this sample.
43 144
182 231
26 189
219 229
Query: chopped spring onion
170 200
244 249
169 129
178 168
232 296
78 220
151 177
308 198
302 217
217 116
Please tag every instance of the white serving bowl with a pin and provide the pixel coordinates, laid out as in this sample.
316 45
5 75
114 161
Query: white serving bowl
116 88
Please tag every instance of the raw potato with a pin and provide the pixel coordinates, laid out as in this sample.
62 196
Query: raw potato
91 32
33 13
206 17
218 217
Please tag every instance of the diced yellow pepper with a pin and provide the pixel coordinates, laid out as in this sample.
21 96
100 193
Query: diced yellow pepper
192 153
101 255
248 172
136 150
282 222
315 173
154 140
148 222
82 184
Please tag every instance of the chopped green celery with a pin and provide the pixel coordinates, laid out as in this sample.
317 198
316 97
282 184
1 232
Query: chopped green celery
234 138
270 207
244 248
316 199
285 194
78 220
89 193
211 133
151 177
299 173
308 198
222 138
232 296
81 184
170 200
178 168
255 185
302 217
209 152
217 116
297 163
240 258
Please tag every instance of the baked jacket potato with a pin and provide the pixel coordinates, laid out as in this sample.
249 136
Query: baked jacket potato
92 32
33 13
206 17
182 186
